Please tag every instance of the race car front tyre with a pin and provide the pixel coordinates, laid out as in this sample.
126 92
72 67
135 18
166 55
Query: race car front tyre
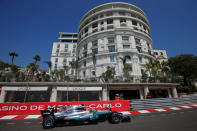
115 118
48 122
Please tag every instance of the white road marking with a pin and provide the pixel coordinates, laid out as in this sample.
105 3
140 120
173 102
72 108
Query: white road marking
11 123
27 122
175 108
8 117
186 107
32 116
125 113
143 111
159 110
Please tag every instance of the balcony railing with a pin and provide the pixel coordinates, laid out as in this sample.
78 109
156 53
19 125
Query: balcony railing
111 43
94 46
110 26
126 42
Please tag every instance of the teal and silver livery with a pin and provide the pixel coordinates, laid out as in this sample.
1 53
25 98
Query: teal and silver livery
78 113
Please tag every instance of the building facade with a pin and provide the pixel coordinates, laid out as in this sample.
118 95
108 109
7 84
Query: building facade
64 51
61 91
110 34
161 55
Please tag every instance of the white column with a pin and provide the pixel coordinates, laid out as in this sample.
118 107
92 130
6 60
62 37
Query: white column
146 90
100 96
120 65
135 66
132 40
105 24
138 26
116 23
104 93
10 97
174 92
141 93
129 23
118 42
90 29
53 97
99 26
169 93
3 95
108 95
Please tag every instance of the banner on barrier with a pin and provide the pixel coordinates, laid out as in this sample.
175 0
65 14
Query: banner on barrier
35 107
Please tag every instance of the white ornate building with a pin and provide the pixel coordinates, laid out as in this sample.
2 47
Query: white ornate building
112 32
64 51
107 35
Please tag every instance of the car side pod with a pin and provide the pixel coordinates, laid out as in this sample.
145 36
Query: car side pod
47 112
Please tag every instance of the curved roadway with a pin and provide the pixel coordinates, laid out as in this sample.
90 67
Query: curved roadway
182 120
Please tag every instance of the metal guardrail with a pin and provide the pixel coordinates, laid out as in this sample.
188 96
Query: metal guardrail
162 102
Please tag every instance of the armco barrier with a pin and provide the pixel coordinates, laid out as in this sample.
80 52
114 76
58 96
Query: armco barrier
158 103
35 107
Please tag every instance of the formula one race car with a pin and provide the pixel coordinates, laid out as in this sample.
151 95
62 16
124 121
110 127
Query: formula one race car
78 114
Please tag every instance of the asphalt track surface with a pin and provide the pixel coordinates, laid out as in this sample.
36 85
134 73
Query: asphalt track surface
180 120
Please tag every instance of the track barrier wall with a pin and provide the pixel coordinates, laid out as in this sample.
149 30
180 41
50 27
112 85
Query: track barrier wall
35 107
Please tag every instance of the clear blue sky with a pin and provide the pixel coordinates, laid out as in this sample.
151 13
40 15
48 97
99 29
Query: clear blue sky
30 27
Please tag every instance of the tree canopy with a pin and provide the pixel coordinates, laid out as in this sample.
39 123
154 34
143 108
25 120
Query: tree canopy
108 75
184 65
37 58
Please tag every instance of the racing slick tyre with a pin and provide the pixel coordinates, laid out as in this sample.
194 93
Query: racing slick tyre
115 118
48 122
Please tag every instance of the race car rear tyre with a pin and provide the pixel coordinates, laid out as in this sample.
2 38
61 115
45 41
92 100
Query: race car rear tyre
115 118
48 122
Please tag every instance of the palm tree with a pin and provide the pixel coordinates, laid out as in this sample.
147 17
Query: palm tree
49 63
61 74
74 65
123 60
76 68
165 70
126 68
56 74
31 69
94 62
153 67
66 68
165 67
37 58
13 54
149 66
108 75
